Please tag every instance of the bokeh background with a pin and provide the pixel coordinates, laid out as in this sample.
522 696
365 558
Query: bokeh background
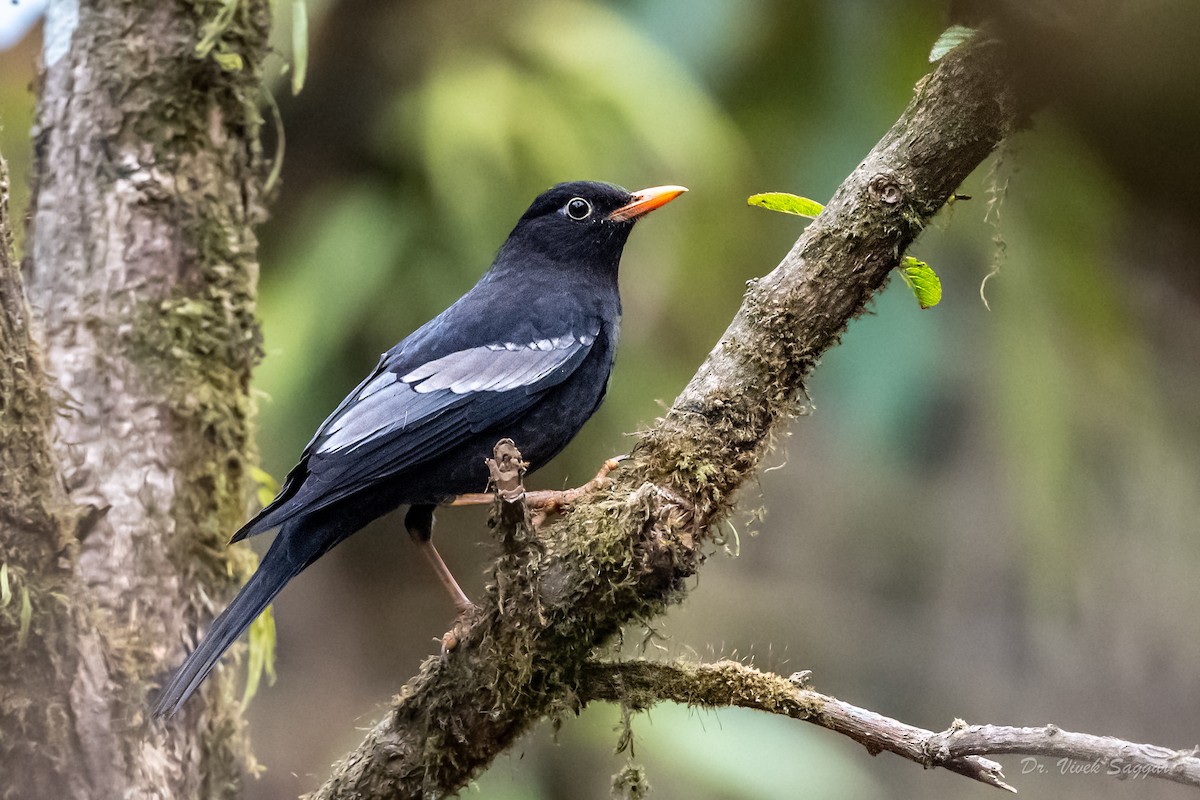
989 513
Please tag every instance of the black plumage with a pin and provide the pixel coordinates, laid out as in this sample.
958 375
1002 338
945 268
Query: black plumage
525 354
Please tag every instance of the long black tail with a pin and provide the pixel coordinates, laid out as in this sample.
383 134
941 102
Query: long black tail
293 549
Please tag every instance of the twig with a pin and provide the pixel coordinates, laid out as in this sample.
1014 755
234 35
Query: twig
960 748
1114 757
641 684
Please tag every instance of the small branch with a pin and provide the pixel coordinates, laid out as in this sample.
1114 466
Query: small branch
506 470
30 485
514 572
1115 757
960 748
641 684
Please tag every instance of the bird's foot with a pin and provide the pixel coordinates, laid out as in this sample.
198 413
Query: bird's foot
462 624
544 504
547 502
458 631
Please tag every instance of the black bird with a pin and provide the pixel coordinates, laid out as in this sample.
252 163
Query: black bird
525 354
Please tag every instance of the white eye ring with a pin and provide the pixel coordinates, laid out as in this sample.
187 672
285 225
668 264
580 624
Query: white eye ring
578 208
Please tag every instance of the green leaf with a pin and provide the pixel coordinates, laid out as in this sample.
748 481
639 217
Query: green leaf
5 589
299 45
924 282
262 654
268 487
787 203
26 616
280 142
230 62
951 38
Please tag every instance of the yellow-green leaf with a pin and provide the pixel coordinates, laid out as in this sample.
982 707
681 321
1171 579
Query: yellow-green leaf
268 487
299 45
280 142
230 62
951 38
787 203
262 654
5 589
924 282
25 617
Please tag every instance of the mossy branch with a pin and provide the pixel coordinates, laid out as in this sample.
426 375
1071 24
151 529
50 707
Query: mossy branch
30 484
624 552
639 685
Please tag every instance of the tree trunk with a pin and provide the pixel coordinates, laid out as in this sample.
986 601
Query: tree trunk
124 479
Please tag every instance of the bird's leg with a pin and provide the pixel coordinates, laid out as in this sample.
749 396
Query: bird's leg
461 601
419 523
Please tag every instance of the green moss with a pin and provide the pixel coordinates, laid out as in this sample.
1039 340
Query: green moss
36 726
36 547
196 347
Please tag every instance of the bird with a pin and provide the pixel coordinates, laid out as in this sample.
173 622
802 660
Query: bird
525 354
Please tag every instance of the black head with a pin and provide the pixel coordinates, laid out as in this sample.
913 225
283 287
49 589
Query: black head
582 224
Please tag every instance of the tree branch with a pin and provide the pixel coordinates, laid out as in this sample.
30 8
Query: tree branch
639 685
1110 756
623 554
31 491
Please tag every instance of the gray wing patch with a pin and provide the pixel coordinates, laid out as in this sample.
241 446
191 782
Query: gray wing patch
389 404
380 381
382 407
496 367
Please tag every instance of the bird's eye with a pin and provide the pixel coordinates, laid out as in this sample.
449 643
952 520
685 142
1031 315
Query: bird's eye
579 208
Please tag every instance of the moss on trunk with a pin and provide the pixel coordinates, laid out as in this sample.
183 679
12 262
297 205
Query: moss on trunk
126 478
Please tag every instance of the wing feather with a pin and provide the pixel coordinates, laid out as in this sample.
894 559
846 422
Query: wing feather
402 415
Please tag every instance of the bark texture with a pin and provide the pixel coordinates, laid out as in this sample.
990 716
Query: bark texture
623 554
141 269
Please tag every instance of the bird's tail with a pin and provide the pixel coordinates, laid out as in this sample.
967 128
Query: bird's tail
281 563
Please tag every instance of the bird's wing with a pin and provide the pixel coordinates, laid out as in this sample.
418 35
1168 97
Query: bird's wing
469 390
402 415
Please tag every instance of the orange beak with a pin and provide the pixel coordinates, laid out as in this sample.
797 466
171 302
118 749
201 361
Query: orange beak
646 201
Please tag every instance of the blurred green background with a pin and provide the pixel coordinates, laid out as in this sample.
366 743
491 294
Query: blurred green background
989 514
